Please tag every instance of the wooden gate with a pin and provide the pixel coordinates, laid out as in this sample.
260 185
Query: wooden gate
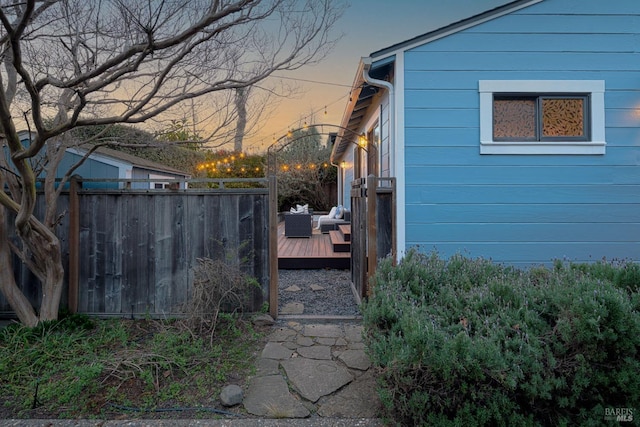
372 228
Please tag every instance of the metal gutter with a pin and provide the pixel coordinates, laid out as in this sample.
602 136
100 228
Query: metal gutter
366 62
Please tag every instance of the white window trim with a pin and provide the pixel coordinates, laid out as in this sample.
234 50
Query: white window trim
595 88
160 179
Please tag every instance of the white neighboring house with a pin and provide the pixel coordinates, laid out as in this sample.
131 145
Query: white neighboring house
108 164
128 166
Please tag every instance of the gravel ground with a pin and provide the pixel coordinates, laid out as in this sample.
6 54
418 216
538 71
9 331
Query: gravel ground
335 298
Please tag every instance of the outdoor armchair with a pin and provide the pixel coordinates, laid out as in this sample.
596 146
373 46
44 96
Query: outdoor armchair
297 224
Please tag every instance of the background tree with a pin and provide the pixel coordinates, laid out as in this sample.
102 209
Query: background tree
226 118
241 127
182 133
68 64
176 146
304 173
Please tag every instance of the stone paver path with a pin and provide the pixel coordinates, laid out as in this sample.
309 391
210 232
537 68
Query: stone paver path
317 369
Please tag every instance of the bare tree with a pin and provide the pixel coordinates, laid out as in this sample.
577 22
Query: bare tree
241 108
225 117
75 63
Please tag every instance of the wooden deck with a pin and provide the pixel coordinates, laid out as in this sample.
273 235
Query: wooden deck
310 253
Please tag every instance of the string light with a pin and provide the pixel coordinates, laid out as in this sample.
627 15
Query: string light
236 163
362 141
243 169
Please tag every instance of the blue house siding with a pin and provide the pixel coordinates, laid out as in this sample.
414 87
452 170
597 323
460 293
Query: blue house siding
89 169
524 209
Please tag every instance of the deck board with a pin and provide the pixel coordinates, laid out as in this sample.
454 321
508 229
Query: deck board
313 252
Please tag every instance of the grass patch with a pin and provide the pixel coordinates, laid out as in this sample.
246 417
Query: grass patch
79 367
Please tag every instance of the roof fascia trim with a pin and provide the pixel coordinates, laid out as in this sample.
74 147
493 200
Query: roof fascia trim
102 158
452 29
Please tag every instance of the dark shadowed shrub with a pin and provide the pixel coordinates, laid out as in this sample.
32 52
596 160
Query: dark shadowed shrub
468 342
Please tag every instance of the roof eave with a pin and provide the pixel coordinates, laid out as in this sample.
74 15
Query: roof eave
453 28
356 88
134 161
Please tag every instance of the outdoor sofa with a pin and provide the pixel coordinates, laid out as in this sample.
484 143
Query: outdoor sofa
331 221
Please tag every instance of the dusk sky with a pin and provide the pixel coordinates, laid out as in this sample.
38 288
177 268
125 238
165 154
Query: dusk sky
367 25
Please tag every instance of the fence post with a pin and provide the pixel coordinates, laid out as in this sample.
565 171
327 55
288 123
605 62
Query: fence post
372 229
273 246
394 244
74 243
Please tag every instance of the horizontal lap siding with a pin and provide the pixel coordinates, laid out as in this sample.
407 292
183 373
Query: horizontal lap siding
445 83
524 210
89 169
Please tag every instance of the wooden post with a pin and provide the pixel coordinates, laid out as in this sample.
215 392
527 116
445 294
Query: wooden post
372 228
74 244
359 235
394 245
273 246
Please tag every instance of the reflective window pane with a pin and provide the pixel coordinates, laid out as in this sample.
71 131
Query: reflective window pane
563 117
514 119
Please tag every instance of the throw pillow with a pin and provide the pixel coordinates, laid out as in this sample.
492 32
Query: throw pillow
332 212
340 212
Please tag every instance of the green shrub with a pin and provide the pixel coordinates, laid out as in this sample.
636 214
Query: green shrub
469 342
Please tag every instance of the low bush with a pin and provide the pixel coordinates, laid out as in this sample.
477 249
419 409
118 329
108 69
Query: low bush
220 289
469 342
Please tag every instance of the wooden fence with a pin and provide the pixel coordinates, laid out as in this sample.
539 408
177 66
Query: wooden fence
132 252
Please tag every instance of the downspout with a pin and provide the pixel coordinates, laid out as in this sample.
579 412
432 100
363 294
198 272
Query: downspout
366 62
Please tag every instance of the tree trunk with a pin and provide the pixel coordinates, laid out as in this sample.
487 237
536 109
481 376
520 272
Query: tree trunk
54 282
45 248
45 262
16 299
241 124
